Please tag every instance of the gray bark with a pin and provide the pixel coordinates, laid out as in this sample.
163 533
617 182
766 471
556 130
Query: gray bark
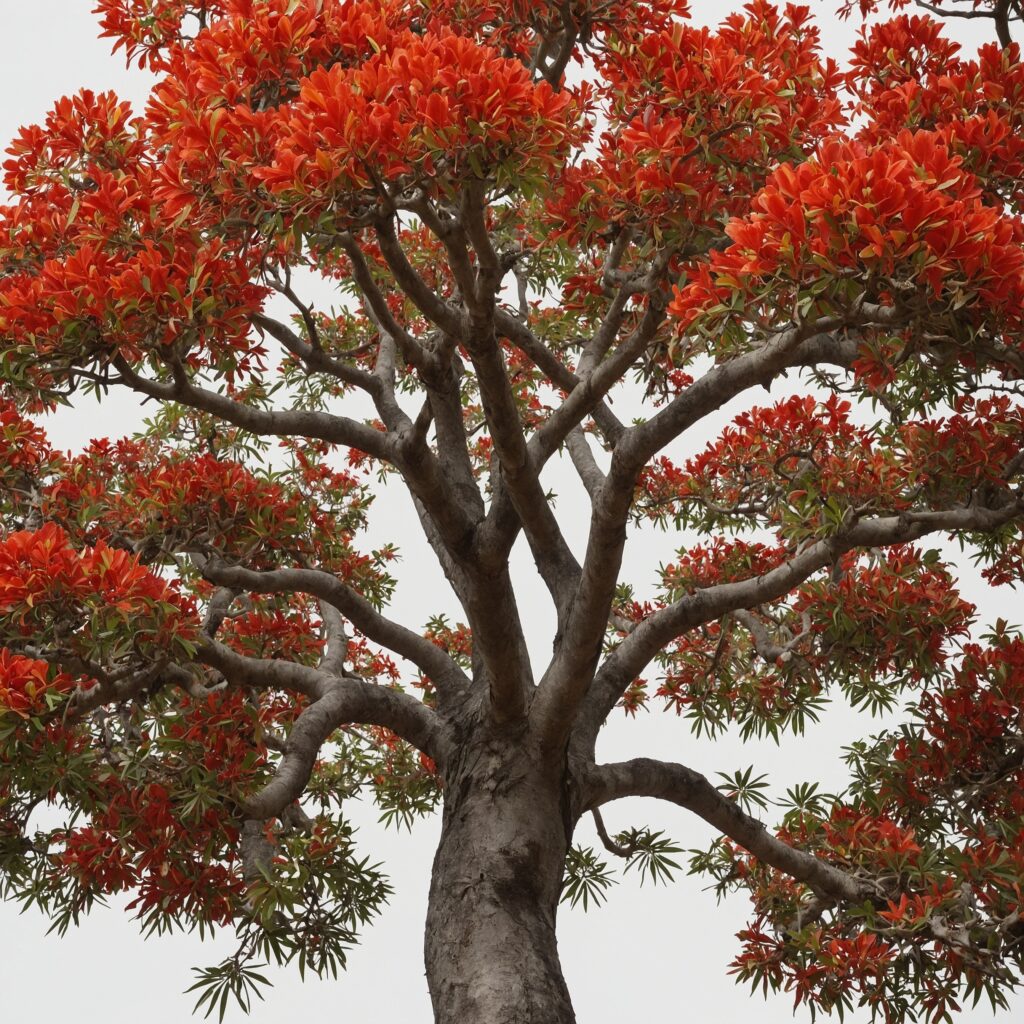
491 954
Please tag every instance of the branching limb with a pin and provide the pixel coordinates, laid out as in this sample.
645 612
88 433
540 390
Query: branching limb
555 562
450 680
429 303
336 702
593 385
682 786
822 343
377 303
651 635
572 669
501 658
314 358
558 373
516 487
264 422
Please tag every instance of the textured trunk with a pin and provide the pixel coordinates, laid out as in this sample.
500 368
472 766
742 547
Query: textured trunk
491 955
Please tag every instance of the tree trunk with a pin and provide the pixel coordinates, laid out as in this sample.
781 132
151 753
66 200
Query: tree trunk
491 954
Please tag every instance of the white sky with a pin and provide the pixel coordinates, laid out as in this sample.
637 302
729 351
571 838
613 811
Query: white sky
657 954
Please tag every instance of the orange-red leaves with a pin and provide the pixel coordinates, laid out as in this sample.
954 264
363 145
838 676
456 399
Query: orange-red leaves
96 600
26 682
901 218
439 102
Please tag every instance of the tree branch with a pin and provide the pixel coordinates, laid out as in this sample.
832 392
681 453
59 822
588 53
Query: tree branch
315 358
431 305
589 472
336 702
558 373
378 304
682 786
572 669
651 635
450 680
264 422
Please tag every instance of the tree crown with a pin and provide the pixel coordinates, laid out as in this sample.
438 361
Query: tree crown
442 244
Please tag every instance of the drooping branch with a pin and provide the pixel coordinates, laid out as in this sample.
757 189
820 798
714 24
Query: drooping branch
662 780
336 702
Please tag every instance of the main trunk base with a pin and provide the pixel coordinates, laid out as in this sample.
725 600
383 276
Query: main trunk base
491 953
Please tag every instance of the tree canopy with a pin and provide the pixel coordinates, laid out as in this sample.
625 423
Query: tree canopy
555 235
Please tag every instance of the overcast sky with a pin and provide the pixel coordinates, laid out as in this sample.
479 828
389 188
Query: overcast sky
650 954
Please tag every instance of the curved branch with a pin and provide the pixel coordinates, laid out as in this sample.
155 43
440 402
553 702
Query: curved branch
683 786
336 703
314 357
264 422
573 668
651 635
449 679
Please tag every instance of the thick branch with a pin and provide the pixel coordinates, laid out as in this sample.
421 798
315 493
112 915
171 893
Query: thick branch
590 473
555 562
628 660
687 788
336 703
499 644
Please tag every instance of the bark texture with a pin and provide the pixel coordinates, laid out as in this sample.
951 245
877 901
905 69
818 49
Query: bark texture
491 953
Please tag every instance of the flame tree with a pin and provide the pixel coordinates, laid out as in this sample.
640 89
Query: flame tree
520 206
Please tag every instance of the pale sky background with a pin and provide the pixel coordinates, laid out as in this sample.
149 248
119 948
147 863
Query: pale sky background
649 954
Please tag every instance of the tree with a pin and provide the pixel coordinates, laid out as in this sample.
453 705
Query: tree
198 666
